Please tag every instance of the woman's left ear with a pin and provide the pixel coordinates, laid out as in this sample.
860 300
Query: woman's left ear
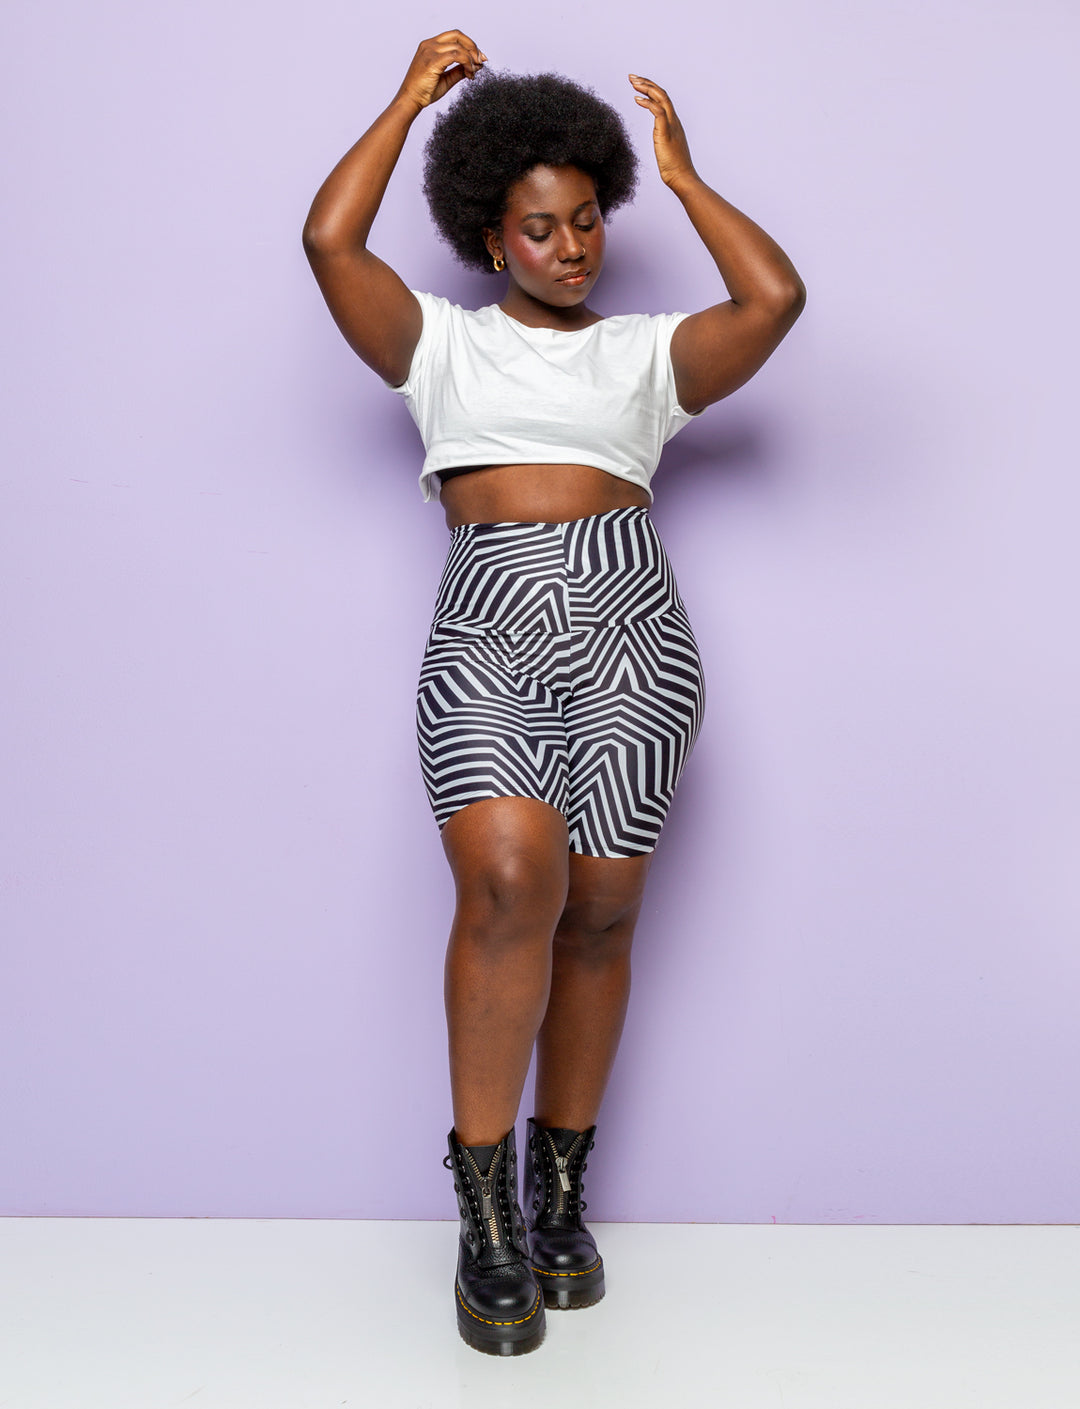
494 248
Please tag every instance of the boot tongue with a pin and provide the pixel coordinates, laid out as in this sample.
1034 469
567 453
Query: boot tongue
483 1155
563 1138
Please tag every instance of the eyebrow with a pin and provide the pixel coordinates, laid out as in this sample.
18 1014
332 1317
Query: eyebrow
547 215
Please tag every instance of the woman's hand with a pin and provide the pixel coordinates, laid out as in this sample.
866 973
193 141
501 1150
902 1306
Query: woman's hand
439 63
669 139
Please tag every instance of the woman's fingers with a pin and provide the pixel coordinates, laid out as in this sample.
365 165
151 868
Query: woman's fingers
441 62
447 54
460 48
669 139
653 97
647 88
456 36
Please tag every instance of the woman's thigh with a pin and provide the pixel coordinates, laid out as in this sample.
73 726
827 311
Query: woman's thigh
631 722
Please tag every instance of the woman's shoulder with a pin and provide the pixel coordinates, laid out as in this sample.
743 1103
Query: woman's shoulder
639 330
440 310
641 322
645 319
446 305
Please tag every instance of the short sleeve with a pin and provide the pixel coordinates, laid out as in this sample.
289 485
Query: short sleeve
677 416
435 313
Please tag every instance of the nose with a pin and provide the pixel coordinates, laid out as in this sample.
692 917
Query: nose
571 249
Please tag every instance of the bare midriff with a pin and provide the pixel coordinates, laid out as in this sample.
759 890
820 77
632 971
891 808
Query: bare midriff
536 494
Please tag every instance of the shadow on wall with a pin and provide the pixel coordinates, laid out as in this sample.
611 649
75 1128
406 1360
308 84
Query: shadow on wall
714 452
698 467
732 451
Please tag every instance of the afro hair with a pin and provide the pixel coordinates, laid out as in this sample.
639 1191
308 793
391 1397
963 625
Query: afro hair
502 125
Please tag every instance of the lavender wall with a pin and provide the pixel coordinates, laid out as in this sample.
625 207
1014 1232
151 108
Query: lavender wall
226 902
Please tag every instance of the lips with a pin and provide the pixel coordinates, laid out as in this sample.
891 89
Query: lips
578 278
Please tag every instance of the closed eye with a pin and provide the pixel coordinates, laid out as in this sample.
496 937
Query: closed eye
539 239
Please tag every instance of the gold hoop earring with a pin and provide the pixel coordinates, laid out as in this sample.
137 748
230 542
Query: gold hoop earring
499 263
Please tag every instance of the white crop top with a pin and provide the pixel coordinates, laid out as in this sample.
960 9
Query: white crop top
485 389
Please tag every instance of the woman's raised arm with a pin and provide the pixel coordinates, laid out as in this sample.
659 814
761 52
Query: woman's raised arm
715 351
377 315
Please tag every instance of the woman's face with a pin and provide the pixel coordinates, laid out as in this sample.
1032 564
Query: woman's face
552 235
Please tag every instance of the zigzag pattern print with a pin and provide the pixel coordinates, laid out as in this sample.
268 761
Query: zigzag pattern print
561 666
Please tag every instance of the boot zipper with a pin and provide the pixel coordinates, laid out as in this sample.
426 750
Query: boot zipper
487 1207
561 1163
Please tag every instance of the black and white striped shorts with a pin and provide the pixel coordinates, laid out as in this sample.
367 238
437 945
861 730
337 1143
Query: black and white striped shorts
561 666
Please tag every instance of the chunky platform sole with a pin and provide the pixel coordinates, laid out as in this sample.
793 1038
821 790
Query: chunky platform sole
500 1337
570 1291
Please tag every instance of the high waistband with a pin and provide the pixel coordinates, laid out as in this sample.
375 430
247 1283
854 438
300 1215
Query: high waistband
464 530
528 578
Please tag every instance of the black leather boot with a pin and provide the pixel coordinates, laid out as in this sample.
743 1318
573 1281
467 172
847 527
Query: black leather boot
500 1308
563 1251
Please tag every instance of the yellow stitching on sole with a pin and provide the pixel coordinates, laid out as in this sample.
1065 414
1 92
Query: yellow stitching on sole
485 1320
545 1273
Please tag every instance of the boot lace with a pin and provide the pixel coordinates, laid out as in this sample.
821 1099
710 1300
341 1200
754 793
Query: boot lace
577 1203
464 1185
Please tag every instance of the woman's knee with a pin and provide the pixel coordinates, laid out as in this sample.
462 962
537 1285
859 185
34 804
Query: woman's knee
597 922
510 867
511 891
604 895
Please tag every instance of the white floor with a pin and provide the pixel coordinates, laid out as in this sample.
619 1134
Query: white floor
292 1314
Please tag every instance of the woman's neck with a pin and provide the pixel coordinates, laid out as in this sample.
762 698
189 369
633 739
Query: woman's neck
534 313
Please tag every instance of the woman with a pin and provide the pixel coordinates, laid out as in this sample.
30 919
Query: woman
561 690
